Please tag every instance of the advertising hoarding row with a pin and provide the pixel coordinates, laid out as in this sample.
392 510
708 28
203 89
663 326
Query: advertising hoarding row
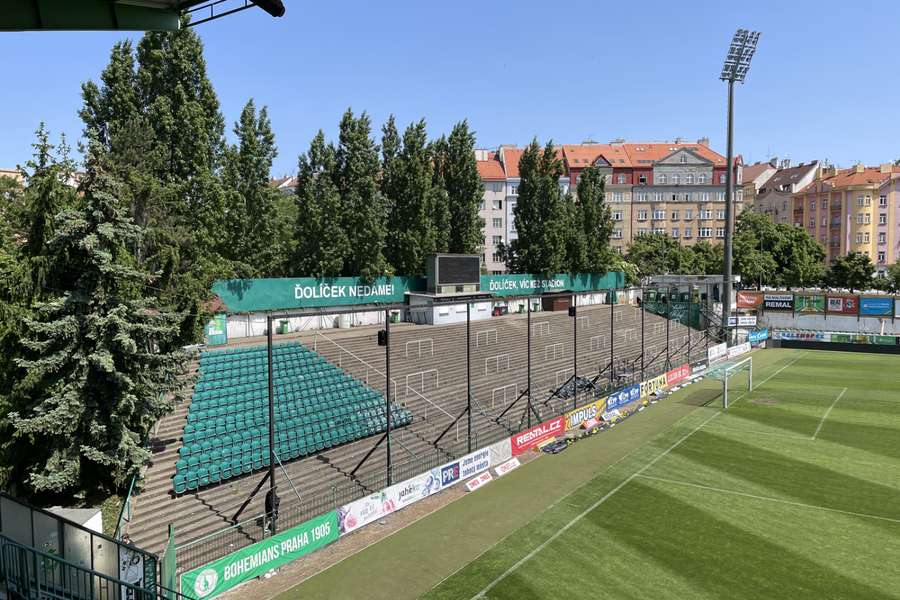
678 374
623 397
838 304
760 335
813 303
653 385
714 353
530 438
778 302
878 306
257 559
739 349
837 337
749 300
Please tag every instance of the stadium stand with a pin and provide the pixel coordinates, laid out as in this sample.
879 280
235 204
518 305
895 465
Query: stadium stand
428 380
317 406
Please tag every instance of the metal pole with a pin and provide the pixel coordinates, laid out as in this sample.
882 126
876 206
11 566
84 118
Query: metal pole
690 320
387 392
643 308
469 375
729 215
668 321
612 343
574 351
528 300
269 351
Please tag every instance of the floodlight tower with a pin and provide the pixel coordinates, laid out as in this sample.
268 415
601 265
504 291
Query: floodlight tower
737 63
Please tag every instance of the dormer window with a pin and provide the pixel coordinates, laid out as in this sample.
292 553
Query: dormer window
683 159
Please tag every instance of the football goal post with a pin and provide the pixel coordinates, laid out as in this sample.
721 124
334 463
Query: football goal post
731 375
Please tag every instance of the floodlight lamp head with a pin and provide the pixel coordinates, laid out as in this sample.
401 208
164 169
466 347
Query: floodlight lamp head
740 53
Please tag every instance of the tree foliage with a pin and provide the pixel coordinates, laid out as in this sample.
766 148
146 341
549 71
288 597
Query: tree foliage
766 253
456 172
853 271
595 220
541 215
98 355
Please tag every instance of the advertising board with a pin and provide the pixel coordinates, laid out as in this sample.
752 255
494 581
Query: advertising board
716 352
678 374
778 302
474 484
876 306
500 451
842 305
814 303
530 438
742 321
575 418
361 512
739 349
507 467
811 336
760 335
897 307
623 397
255 560
652 385
748 299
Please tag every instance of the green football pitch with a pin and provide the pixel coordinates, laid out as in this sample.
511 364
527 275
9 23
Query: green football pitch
793 492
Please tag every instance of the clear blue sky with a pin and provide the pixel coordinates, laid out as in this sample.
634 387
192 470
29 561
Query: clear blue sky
823 83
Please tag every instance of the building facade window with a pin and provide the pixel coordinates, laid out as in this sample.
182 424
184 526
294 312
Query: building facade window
642 179
675 179
617 196
882 219
642 215
722 178
706 214
617 234
867 219
513 189
866 238
688 196
720 196
701 179
481 205
688 214
674 215
860 201
705 232
498 257
674 232
642 231
497 240
497 204
882 200
688 232
859 238
720 232
882 238
621 178
659 230
720 214
661 178
659 215
881 257
498 222
689 179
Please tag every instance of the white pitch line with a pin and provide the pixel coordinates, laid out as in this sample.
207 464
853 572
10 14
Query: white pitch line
758 432
764 381
828 412
769 499
589 509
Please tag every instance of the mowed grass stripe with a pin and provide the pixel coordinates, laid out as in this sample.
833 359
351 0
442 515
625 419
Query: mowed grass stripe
786 470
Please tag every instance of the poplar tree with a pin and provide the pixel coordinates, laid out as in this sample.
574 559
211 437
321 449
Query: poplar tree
321 245
98 355
456 171
594 220
540 214
356 174
254 234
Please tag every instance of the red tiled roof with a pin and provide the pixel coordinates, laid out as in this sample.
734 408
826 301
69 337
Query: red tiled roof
849 177
753 171
491 170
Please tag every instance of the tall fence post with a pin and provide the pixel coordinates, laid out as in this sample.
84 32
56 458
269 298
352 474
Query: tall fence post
643 308
575 351
610 296
468 375
528 300
271 503
387 394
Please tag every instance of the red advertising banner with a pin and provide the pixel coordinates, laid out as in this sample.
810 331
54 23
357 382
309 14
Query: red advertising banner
749 299
842 305
678 374
525 440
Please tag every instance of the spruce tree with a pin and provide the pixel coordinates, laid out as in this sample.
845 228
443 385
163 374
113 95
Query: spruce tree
540 214
364 212
576 238
99 357
457 171
595 220
321 245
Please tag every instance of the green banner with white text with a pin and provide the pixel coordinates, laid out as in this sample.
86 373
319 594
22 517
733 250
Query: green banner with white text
255 560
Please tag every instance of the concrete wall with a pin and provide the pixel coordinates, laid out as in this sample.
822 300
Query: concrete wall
848 323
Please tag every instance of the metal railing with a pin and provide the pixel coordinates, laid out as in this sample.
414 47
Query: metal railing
368 366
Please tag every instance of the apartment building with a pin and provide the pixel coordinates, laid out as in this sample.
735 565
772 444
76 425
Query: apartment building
753 176
850 210
773 196
493 211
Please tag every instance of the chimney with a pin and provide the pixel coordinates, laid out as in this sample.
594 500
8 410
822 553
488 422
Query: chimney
860 168
679 140
704 141
774 162
887 168
785 163
618 141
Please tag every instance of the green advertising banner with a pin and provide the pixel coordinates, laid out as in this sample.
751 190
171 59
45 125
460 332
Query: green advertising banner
216 331
260 295
503 286
255 560
809 304
257 295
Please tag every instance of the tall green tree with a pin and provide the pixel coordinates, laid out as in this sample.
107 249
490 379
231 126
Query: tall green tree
108 107
321 244
540 214
99 356
657 253
705 258
893 277
356 176
803 258
408 186
595 220
576 238
456 171
853 271
254 234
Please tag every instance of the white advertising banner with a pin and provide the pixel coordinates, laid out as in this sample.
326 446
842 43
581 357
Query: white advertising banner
474 484
742 321
362 512
739 349
403 494
501 451
507 467
716 352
